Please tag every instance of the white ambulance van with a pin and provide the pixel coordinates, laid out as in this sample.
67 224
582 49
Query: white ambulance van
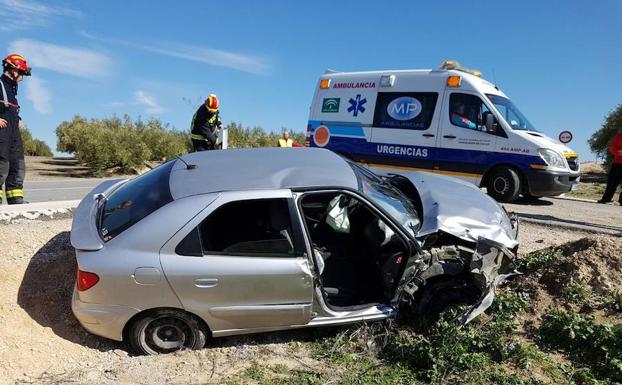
448 121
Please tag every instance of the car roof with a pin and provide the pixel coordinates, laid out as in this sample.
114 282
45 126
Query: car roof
259 169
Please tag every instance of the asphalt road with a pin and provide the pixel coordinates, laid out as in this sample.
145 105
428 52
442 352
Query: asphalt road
570 213
58 189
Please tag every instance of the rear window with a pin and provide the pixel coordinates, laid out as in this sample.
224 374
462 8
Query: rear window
134 200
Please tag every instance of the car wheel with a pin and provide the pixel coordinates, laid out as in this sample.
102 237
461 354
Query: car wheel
503 184
166 331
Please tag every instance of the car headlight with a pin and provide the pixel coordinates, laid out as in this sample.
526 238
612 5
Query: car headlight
551 158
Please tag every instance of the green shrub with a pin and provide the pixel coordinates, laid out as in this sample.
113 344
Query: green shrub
575 294
34 147
587 342
446 348
537 260
614 302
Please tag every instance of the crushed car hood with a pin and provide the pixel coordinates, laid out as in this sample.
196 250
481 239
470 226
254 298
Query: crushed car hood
460 209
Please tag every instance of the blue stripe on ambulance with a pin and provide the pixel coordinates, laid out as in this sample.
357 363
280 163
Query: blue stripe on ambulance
349 138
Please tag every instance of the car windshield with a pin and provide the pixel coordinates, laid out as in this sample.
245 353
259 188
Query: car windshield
134 200
511 113
392 200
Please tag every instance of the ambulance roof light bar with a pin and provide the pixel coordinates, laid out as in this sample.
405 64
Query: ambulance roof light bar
454 65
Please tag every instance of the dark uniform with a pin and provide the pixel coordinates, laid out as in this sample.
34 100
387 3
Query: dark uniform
12 167
205 129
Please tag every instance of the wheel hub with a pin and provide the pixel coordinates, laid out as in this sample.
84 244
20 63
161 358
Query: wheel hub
501 185
164 335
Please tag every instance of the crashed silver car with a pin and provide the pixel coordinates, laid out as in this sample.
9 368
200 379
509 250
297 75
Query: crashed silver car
240 241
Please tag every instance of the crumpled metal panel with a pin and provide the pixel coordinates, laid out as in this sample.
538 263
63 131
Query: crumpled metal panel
460 209
491 265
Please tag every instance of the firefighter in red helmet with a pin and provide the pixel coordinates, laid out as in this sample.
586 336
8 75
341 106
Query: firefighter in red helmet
206 125
12 166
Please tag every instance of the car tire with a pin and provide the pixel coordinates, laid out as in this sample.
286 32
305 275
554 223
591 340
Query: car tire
166 331
503 184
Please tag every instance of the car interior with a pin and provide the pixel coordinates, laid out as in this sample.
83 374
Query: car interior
359 257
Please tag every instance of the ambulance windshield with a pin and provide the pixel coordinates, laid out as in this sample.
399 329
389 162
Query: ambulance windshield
511 113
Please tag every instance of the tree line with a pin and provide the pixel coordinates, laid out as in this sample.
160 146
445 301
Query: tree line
125 144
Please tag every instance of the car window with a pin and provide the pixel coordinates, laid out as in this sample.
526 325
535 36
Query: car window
409 110
468 111
134 200
259 227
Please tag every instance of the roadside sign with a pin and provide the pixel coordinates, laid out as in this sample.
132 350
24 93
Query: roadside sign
565 137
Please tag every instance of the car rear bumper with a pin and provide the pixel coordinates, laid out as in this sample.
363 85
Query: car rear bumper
549 183
103 320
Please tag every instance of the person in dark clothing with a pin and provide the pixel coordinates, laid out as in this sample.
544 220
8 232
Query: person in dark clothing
615 172
206 125
12 166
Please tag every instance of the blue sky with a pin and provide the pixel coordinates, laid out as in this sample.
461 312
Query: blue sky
558 60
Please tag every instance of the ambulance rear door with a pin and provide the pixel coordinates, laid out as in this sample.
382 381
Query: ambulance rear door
406 118
343 113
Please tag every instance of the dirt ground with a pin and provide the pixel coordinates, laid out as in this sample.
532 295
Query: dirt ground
42 343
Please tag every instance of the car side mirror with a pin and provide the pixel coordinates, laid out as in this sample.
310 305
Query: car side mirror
491 123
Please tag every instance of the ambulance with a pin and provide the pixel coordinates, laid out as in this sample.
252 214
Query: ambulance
449 121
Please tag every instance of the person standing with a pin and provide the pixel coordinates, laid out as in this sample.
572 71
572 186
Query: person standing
12 166
285 141
206 125
615 172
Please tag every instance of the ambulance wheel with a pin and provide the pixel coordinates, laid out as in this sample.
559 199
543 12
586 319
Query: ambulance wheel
503 184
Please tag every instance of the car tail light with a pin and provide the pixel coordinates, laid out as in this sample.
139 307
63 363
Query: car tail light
86 280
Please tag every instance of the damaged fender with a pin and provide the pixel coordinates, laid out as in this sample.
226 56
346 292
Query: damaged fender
490 264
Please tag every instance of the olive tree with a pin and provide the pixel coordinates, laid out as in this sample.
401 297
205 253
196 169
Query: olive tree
600 140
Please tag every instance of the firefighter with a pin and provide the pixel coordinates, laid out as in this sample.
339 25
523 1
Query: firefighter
285 141
206 125
12 167
615 172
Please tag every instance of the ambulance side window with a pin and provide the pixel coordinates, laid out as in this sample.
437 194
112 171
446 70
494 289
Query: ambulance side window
406 110
468 111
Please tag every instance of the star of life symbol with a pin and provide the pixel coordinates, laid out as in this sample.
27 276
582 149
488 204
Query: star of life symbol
356 105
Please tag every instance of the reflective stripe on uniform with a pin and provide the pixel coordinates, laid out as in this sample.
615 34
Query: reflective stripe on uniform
198 137
15 193
4 96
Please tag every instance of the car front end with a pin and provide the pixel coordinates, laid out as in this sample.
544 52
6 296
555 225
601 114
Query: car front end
467 241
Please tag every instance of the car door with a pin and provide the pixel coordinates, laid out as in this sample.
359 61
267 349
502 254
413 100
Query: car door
465 143
241 264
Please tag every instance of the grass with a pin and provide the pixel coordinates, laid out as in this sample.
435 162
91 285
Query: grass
575 294
597 347
538 260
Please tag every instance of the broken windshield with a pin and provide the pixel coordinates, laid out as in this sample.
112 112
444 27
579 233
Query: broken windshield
511 113
393 201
